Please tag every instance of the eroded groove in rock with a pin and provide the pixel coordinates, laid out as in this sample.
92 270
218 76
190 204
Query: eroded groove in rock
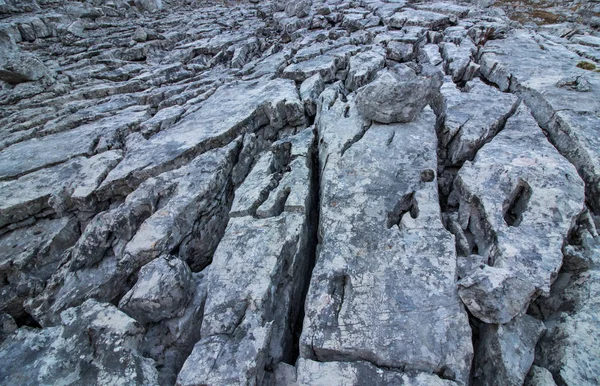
256 282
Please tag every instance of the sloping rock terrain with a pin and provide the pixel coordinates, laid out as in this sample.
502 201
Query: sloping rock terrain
314 192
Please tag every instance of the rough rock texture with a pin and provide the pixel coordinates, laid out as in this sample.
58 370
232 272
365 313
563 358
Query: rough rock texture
281 192
94 343
506 351
393 234
398 94
518 199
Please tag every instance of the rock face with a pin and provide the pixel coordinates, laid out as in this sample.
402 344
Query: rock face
398 94
94 342
393 235
518 213
315 192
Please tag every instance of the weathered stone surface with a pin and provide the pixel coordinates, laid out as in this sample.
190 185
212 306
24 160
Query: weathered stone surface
539 376
391 233
28 257
310 90
56 148
162 155
398 94
59 188
118 242
472 118
520 64
94 344
358 373
252 305
568 349
413 17
518 199
171 341
362 68
505 352
160 292
231 111
7 326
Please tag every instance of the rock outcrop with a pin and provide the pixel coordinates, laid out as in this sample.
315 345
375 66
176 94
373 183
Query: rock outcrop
315 192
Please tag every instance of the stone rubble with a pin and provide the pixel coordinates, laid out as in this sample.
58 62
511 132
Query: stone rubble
315 192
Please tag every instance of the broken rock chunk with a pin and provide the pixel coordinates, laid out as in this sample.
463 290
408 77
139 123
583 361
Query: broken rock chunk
398 94
162 289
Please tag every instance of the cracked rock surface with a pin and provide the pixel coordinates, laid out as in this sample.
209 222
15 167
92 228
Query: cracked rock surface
315 192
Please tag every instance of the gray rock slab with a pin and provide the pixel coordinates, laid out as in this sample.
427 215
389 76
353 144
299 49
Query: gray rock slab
161 291
94 344
413 17
539 376
569 347
255 283
359 373
472 118
505 352
520 63
170 341
59 188
29 256
232 110
518 198
398 94
116 243
362 68
52 149
379 226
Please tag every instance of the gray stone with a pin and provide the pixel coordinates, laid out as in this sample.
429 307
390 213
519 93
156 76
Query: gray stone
539 376
568 349
310 90
505 352
232 110
400 52
412 17
118 242
7 326
325 65
569 115
252 305
59 188
519 210
29 256
379 226
52 149
94 344
359 373
362 68
17 66
472 118
171 341
398 95
160 292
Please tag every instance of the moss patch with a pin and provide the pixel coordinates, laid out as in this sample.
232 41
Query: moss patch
586 66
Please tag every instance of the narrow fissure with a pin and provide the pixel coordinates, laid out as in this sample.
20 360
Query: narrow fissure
313 227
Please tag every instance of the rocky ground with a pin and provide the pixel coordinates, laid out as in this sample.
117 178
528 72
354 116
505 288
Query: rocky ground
322 192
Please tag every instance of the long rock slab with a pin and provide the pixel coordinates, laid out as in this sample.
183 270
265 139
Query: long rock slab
380 226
